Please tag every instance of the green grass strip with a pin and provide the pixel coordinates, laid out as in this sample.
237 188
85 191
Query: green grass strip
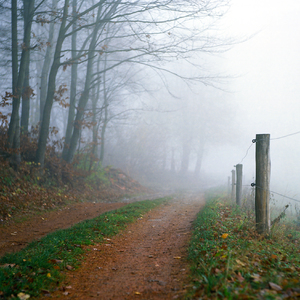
38 266
229 260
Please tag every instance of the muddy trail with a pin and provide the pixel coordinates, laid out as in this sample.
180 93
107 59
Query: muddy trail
148 260
16 235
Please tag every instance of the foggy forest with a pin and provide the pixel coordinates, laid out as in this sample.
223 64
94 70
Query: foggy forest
111 102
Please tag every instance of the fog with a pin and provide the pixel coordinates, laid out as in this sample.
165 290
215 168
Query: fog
174 97
260 95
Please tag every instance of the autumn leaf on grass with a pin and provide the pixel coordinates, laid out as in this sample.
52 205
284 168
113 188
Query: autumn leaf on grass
240 263
240 277
275 286
224 236
23 296
256 277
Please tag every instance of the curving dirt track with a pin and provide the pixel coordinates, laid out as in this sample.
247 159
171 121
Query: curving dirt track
16 236
146 261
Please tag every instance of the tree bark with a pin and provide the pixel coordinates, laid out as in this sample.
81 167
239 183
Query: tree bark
85 94
71 114
44 129
46 64
26 100
14 126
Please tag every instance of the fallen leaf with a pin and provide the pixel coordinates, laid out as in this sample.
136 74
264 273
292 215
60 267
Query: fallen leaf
275 286
68 267
23 296
55 261
7 266
224 235
273 256
240 263
177 257
56 267
240 277
256 277
48 275
65 293
137 293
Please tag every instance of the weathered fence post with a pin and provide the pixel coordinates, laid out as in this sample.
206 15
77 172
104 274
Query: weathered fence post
262 189
239 183
233 185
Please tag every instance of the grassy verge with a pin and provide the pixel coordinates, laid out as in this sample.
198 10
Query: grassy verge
38 267
230 261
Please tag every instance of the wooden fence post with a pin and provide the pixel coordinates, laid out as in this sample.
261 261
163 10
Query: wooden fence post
239 183
233 186
262 188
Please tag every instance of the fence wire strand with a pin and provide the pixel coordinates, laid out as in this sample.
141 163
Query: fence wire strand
279 194
246 153
284 136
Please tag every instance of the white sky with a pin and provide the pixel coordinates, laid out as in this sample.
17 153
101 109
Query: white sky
267 91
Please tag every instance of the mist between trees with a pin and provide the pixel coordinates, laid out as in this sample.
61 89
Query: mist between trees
126 82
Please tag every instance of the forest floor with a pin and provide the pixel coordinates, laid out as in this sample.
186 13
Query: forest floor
146 261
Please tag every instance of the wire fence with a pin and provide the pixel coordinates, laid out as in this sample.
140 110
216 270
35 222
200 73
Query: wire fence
247 152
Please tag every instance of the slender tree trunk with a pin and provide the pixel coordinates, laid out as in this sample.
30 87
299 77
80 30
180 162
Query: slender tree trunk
185 160
26 101
14 34
14 125
26 93
85 95
71 115
46 64
44 129
199 161
105 121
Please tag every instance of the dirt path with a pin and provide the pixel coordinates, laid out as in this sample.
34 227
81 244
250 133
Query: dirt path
17 236
146 261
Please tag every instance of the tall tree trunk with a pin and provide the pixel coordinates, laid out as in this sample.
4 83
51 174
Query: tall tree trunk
14 126
185 160
105 121
26 101
85 95
44 129
14 44
94 121
74 68
46 64
199 161
26 93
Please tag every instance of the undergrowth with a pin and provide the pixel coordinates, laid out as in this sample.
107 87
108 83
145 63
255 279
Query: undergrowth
39 266
229 260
